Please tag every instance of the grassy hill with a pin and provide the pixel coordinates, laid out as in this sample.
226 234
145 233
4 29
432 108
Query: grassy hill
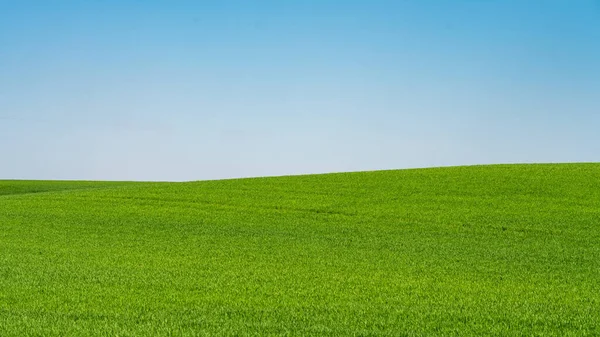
483 250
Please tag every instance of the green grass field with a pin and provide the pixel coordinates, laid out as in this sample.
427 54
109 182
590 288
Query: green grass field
484 250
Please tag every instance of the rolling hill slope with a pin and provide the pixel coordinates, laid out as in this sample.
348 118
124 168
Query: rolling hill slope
481 250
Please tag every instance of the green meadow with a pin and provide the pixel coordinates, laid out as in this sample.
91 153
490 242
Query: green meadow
501 250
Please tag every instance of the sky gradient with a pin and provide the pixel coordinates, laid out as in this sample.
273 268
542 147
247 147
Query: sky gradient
194 90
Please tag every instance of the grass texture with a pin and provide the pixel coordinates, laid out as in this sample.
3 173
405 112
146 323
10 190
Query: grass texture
503 250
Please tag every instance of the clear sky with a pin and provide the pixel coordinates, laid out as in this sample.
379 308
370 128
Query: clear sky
192 90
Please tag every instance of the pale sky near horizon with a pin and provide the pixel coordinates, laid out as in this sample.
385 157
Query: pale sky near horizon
194 90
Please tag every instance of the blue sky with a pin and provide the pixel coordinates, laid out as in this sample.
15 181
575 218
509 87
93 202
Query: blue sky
192 90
